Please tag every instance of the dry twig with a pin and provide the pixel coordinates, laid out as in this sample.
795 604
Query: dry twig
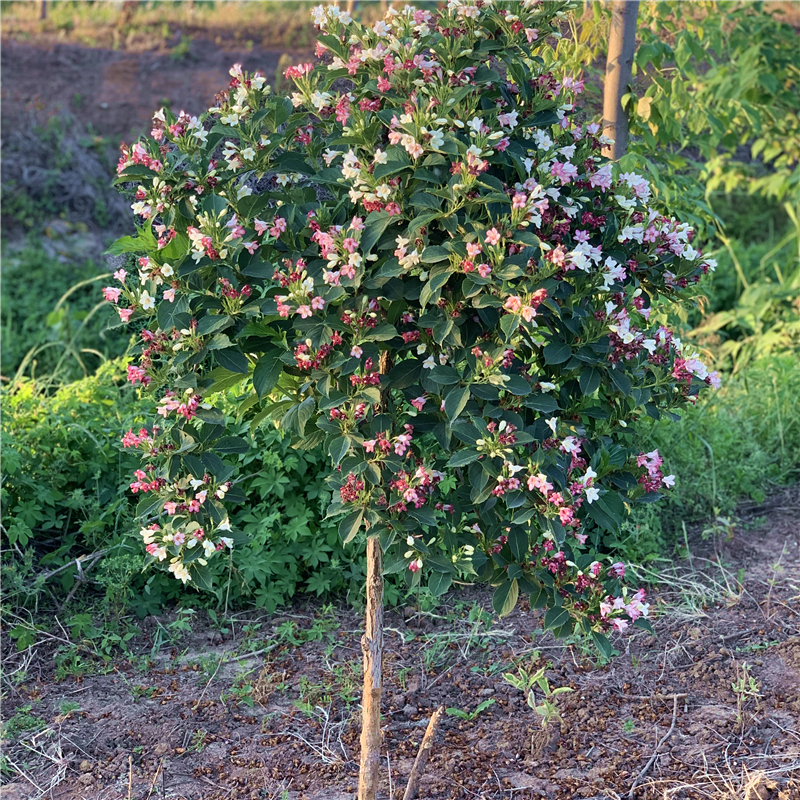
650 763
422 756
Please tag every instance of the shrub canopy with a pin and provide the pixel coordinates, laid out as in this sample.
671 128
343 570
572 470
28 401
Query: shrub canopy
421 261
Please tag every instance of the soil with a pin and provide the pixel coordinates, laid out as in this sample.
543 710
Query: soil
286 718
116 92
182 725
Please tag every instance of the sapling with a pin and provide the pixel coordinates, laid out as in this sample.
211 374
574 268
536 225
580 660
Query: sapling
422 263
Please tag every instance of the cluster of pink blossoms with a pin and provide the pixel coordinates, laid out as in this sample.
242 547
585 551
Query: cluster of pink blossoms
137 154
170 402
399 444
652 479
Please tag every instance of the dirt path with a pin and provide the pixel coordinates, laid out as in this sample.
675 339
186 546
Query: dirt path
115 93
286 719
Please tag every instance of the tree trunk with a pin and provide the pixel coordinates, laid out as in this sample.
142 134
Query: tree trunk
43 10
621 47
372 648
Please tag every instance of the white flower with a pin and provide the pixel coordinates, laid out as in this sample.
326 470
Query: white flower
147 301
546 386
248 154
428 363
243 191
380 157
476 123
592 494
552 423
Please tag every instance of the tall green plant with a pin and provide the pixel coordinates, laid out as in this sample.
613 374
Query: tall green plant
449 288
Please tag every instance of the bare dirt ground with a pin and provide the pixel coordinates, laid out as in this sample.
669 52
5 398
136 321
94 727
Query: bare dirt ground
674 714
205 720
116 92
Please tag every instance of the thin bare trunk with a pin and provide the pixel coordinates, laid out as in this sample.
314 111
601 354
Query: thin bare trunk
372 648
43 10
621 47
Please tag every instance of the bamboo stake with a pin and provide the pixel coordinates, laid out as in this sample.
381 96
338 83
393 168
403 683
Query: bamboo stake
372 649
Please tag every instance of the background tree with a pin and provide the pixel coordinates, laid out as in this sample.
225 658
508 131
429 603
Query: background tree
619 63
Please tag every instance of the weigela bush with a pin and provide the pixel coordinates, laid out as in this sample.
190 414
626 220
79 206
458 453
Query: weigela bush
422 262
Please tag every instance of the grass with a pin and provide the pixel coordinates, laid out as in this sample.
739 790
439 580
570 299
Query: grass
278 23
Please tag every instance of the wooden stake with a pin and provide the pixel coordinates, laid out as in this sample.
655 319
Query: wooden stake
621 47
372 649
422 756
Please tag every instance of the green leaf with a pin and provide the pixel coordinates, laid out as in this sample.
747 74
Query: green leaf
519 542
556 618
405 374
505 597
231 444
517 385
439 583
557 353
602 644
349 526
444 376
644 624
376 223
267 372
173 315
202 577
337 449
589 380
455 402
232 359
211 323
463 457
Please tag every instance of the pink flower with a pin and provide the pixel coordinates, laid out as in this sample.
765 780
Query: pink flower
111 293
473 249
170 507
419 402
357 224
416 565
401 444
484 270
169 294
493 236
383 84
120 275
179 538
531 34
260 226
251 247
528 313
369 445
356 351
317 303
125 313
513 304
304 311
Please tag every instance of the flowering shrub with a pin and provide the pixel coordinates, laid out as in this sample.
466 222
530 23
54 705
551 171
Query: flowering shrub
422 262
